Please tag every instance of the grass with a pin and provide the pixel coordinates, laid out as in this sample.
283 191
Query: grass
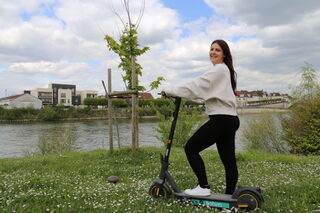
77 181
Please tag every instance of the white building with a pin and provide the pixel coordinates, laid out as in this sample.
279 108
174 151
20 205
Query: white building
64 94
21 101
44 94
87 94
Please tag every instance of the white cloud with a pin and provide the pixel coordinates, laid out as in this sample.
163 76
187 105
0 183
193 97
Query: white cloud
61 69
268 41
264 13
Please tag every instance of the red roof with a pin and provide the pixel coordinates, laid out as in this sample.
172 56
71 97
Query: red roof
145 95
12 97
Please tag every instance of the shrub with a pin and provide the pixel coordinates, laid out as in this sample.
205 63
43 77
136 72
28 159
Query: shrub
86 110
145 102
48 114
119 103
302 128
61 140
60 111
146 111
187 124
13 114
264 134
161 102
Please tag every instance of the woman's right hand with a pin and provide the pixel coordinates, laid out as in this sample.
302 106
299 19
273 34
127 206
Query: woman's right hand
163 94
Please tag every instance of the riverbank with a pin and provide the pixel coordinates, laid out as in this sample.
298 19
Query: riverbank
261 110
240 111
77 182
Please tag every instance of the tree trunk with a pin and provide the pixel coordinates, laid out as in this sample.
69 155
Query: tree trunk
135 128
110 112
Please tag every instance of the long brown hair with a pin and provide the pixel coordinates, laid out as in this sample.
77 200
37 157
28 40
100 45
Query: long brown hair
228 61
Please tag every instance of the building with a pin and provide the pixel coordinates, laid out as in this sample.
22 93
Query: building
21 101
56 94
65 94
244 97
87 94
44 94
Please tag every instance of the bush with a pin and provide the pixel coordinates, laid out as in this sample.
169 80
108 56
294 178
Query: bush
13 114
146 111
86 110
48 114
302 128
187 124
61 140
264 134
161 102
119 103
146 102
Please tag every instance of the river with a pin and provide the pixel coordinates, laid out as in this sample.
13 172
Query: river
17 138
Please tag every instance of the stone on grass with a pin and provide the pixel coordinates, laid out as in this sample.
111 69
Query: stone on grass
113 179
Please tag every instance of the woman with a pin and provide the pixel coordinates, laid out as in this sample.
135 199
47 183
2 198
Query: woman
216 89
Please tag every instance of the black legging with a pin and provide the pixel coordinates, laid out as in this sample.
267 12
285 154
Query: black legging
220 129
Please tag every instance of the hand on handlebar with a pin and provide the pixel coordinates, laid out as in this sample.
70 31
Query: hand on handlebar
163 94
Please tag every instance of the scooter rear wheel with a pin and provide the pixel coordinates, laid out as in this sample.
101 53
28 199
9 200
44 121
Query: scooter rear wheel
249 201
157 191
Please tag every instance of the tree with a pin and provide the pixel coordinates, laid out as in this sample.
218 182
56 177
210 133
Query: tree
308 87
302 127
128 48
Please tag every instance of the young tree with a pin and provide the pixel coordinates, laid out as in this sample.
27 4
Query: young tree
302 127
309 86
128 47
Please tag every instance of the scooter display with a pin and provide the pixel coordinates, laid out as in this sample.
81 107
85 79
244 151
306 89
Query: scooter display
244 197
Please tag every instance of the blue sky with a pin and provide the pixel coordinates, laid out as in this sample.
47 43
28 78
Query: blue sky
43 9
55 41
189 10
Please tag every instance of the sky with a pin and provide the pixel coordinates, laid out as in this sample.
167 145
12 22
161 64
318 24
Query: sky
55 41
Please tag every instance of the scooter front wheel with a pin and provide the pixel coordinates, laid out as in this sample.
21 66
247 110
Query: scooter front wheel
249 201
157 191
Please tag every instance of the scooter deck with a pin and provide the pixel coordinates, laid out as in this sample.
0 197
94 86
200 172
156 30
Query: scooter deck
213 196
213 200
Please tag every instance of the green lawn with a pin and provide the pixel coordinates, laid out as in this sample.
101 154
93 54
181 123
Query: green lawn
77 182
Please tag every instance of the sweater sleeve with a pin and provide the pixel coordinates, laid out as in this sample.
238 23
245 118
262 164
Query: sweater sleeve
203 88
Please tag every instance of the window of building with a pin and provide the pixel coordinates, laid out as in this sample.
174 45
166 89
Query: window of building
63 95
63 101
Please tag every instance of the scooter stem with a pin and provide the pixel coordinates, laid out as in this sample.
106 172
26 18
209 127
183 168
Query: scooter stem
173 126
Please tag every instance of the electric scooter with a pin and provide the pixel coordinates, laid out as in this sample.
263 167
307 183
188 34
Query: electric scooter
245 197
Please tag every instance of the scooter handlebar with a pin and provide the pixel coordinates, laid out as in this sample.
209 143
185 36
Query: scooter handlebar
167 96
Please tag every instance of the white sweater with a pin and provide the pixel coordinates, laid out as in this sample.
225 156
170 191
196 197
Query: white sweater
213 88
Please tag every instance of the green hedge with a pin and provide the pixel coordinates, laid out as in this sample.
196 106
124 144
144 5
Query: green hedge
121 103
147 107
95 101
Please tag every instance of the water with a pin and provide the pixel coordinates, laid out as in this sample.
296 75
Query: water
16 138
